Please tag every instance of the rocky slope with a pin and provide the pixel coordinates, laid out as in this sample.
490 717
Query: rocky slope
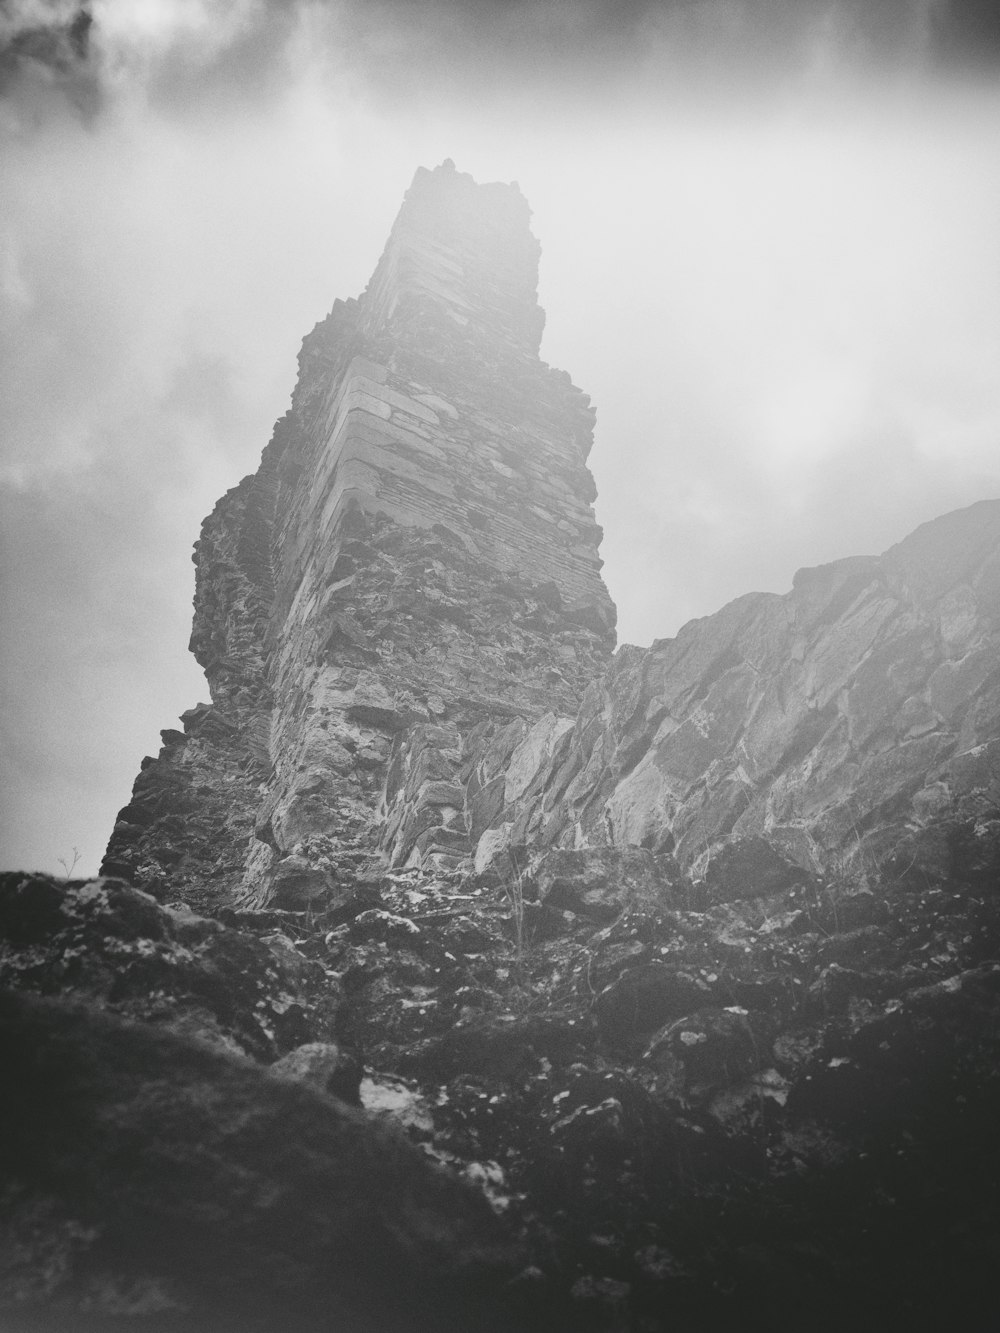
849 722
449 972
775 1111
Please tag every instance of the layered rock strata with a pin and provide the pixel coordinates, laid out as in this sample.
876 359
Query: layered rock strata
413 566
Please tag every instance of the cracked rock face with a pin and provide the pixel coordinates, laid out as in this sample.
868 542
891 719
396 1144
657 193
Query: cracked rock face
412 571
847 725
451 972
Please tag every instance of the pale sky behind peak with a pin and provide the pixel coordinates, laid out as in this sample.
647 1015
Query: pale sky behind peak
770 255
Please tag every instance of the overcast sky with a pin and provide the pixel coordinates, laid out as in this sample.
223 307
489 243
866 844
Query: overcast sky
770 254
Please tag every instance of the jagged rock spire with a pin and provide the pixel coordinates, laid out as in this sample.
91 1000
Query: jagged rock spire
411 577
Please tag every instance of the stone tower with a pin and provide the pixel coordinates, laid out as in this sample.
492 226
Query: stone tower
408 583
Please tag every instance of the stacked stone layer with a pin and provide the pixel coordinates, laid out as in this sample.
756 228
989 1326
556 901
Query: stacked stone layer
413 566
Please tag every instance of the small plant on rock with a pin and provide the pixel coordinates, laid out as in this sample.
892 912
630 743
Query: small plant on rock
69 863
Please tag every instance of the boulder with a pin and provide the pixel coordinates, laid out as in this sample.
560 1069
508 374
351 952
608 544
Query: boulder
749 868
601 882
255 1202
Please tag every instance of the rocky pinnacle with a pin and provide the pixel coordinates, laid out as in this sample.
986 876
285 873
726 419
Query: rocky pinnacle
412 570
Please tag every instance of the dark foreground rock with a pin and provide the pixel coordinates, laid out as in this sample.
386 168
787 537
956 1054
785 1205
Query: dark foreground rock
250 993
774 1112
150 1180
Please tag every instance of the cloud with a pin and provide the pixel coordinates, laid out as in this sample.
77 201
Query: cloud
196 55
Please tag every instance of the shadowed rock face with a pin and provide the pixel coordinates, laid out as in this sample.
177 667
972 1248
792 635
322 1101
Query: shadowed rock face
681 966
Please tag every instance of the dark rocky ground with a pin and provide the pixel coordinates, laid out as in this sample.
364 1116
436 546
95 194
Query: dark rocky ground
633 1102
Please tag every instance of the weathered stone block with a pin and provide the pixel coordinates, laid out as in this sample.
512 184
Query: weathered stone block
603 882
749 868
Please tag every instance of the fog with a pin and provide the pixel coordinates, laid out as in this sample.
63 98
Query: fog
770 255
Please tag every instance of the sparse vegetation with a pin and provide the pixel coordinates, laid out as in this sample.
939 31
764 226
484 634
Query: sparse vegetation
69 863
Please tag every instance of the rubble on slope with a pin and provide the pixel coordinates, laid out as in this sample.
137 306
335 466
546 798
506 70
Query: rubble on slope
674 1105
